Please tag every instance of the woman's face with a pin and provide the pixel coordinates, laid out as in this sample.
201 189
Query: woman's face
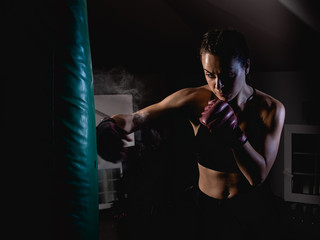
225 79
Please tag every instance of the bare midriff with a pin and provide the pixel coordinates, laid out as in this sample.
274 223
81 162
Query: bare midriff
219 185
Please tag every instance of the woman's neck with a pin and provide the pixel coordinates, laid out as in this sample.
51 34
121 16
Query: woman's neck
241 99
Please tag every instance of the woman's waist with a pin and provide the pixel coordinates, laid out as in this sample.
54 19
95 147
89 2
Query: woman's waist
221 185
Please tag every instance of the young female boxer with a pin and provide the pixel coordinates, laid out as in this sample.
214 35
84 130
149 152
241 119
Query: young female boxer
237 132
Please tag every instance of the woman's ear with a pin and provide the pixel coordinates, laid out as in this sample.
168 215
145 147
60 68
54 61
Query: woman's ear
247 67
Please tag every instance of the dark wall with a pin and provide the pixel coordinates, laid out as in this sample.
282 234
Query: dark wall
156 44
151 50
26 115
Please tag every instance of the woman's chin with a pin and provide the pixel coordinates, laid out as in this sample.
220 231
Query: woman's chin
222 98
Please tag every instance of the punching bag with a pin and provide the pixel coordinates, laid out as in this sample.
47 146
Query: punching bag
75 179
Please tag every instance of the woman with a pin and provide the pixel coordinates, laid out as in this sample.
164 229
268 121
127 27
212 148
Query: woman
237 133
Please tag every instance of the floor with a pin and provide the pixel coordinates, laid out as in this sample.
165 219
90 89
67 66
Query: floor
298 221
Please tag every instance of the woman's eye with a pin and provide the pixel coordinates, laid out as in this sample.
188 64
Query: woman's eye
231 75
209 75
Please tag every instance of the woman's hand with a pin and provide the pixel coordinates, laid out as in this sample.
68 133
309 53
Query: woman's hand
109 140
219 117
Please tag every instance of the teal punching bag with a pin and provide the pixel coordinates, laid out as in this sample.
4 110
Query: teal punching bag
75 176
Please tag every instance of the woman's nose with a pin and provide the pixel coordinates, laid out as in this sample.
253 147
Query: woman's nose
219 84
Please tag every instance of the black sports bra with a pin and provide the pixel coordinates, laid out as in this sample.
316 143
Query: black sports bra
212 153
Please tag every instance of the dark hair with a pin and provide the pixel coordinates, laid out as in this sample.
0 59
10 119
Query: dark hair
226 44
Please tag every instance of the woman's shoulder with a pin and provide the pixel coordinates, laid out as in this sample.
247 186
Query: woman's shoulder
191 95
190 100
268 102
272 110
195 91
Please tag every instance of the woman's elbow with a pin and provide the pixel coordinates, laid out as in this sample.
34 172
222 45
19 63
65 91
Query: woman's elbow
256 182
258 179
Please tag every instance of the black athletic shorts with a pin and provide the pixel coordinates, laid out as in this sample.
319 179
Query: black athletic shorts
249 215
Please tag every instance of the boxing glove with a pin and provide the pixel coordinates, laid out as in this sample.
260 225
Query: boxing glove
109 140
219 117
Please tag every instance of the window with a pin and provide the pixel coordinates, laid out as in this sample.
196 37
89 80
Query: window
302 163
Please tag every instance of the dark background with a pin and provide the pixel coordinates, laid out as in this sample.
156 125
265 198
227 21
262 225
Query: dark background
151 46
157 36
150 49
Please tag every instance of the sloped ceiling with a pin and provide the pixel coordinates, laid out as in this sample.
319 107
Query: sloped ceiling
164 35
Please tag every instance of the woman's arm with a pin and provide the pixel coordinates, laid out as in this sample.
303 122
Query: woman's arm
254 165
221 120
112 131
146 116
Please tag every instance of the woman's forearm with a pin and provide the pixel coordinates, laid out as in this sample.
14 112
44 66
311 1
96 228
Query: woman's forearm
131 122
251 163
125 121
